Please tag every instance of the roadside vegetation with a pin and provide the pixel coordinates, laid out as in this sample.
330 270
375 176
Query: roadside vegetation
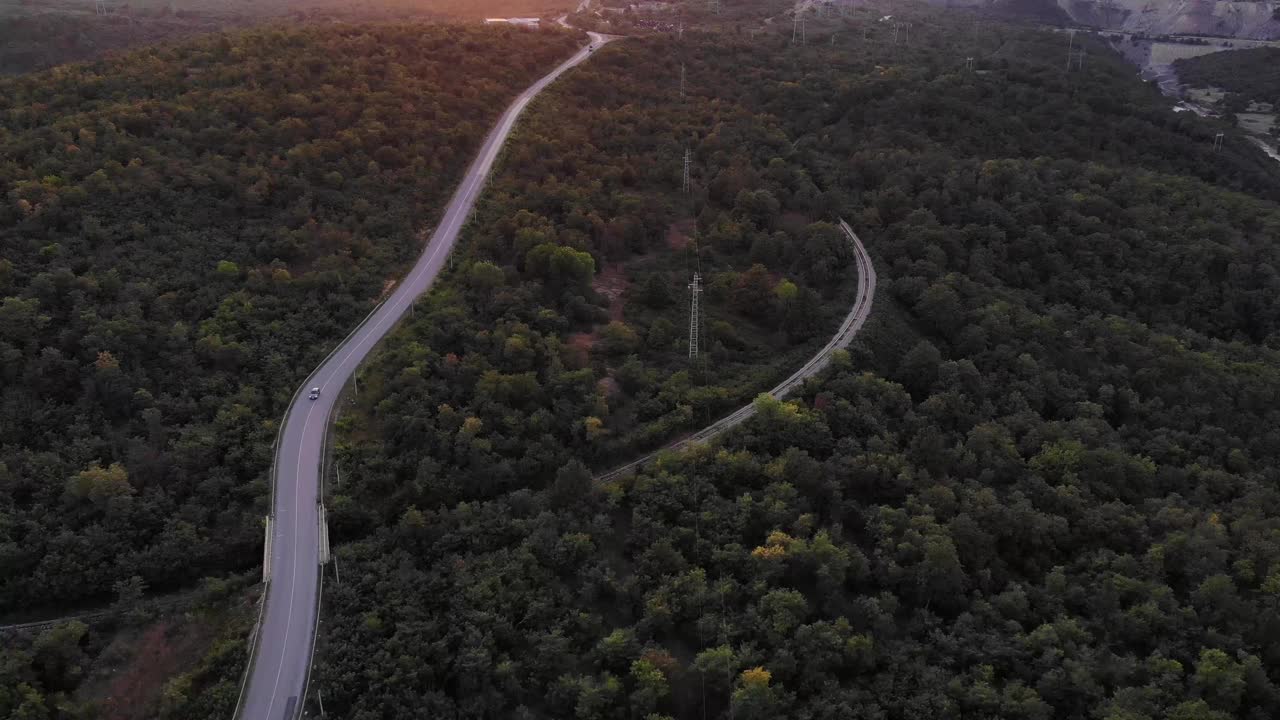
184 232
1040 485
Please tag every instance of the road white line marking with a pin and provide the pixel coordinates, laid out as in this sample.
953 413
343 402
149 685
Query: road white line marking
293 572
464 201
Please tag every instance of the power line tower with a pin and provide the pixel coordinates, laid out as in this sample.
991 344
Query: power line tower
797 30
1076 58
695 289
906 33
1217 141
100 7
714 6
1108 6
686 185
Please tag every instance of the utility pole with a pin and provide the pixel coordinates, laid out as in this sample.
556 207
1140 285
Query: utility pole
696 289
1071 44
681 81
687 161
968 64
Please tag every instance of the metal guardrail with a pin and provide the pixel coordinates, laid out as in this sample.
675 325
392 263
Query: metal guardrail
844 335
47 624
156 603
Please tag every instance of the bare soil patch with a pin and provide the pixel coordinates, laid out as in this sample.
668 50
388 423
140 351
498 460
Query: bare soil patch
612 283
136 665
387 286
680 232
578 350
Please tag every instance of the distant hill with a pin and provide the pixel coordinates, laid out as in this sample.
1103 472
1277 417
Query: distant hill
1255 20
38 34
1253 73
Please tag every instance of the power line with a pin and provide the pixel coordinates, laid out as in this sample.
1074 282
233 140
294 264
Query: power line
724 629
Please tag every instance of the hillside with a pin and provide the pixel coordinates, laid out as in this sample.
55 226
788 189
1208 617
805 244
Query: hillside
1042 484
184 232
1253 74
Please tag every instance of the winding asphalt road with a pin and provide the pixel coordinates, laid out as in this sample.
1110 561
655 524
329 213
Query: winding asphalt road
852 324
283 644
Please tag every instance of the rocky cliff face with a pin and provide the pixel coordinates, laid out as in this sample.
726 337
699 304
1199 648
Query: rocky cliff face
1254 20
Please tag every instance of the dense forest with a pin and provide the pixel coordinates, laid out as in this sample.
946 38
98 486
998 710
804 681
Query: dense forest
1042 484
39 34
1253 74
183 234
37 40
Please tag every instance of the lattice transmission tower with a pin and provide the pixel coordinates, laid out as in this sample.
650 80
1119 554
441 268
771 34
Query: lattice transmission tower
695 290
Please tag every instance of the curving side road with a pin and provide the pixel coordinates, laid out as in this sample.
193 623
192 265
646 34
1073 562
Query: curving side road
282 648
852 324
